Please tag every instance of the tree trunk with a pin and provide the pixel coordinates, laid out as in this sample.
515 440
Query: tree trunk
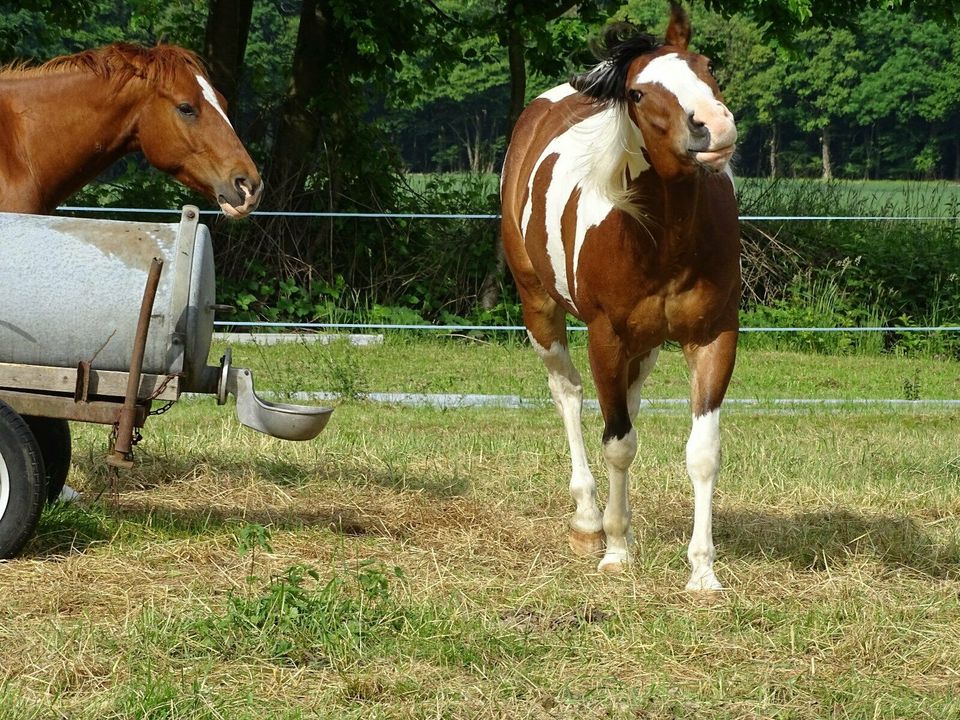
774 150
825 153
490 287
299 128
518 77
225 44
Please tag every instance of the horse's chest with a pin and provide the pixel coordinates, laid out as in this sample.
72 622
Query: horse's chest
648 319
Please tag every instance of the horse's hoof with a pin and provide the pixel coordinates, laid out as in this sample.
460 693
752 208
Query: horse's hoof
704 582
613 564
587 543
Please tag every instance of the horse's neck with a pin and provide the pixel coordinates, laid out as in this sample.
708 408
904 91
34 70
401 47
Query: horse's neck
63 129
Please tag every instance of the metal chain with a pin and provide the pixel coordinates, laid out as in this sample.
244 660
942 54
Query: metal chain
162 409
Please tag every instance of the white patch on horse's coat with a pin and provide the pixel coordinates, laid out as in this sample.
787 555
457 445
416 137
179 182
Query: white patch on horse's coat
211 97
558 93
703 464
566 387
593 155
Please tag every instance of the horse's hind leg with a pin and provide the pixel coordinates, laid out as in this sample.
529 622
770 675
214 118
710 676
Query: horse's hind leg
637 373
546 326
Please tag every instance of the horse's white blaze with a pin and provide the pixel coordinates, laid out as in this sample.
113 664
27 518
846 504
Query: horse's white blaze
618 454
567 390
694 96
557 93
211 97
703 464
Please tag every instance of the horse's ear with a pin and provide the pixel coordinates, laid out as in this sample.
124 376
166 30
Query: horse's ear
678 31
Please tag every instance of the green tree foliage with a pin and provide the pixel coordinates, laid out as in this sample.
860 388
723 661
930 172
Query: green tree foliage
338 98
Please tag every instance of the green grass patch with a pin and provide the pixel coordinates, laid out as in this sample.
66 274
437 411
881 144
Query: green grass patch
412 562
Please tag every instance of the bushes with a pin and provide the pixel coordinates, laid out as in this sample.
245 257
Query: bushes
832 273
399 270
843 273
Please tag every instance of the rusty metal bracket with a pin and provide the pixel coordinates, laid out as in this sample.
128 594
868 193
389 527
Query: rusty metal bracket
82 391
121 454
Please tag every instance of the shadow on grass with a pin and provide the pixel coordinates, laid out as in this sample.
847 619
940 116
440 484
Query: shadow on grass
824 539
155 471
69 529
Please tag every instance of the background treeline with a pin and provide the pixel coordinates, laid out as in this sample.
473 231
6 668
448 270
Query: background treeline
405 106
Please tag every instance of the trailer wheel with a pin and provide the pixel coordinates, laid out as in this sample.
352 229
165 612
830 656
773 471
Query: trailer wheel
23 484
53 438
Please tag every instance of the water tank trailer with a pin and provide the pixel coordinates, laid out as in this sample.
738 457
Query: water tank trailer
100 320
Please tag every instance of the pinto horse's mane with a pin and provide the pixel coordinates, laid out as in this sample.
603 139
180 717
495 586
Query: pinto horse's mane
616 144
619 45
118 61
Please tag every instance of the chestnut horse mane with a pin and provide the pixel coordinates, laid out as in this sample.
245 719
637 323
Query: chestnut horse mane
620 43
119 61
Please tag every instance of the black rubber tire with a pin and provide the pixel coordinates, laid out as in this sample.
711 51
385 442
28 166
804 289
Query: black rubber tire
22 473
53 438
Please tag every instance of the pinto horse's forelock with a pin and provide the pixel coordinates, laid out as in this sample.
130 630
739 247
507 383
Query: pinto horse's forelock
620 45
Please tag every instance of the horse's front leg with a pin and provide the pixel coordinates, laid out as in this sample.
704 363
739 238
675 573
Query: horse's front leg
611 374
711 366
548 337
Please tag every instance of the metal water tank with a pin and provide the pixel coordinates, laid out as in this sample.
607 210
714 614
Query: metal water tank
77 300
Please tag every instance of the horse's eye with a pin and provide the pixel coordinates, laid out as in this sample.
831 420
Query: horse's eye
186 109
710 68
634 95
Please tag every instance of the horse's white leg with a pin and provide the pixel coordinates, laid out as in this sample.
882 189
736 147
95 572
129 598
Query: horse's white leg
566 387
638 372
703 464
711 366
618 452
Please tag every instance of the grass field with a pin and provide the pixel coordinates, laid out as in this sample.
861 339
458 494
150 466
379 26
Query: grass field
881 197
412 562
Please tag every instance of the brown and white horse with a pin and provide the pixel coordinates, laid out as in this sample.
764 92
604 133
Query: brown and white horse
64 122
619 208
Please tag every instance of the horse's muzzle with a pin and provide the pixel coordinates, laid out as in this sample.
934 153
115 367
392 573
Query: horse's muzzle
248 194
716 159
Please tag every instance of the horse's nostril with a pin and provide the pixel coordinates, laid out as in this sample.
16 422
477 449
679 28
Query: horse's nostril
695 125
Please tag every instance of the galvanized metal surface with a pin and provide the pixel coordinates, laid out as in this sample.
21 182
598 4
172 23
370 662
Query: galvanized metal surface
279 420
70 290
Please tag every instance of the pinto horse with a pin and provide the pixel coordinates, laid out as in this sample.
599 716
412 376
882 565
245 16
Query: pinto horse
619 208
64 122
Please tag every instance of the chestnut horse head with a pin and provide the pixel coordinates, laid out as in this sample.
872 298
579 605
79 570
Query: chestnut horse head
70 118
618 208
669 93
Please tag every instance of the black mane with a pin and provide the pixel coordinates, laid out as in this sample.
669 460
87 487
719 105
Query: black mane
618 46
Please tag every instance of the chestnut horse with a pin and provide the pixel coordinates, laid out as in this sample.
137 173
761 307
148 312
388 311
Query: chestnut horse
619 208
64 122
